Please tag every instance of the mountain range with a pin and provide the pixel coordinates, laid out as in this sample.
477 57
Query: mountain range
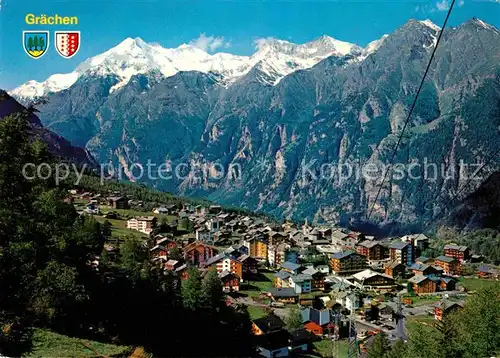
284 114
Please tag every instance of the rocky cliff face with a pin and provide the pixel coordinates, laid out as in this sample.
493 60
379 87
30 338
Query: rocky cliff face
286 143
57 145
480 209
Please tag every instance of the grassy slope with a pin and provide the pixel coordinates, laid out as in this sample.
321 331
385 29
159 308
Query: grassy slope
474 284
324 348
50 344
256 312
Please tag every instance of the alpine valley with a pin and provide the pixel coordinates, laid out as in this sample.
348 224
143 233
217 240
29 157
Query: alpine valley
289 111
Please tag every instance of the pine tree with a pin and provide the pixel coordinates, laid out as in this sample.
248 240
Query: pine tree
175 253
35 42
30 43
379 346
212 295
294 320
191 290
398 350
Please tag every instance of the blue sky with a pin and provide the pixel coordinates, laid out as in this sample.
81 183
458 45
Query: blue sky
229 26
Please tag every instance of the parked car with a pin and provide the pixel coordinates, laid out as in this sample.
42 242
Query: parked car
277 304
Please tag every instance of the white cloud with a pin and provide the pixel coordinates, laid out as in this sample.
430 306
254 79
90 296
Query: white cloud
442 5
461 3
209 43
259 43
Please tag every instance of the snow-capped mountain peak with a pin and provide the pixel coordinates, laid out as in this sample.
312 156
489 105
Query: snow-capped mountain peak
275 58
430 25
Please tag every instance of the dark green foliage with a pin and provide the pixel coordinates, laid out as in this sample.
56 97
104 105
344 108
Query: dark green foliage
191 290
470 332
398 350
294 320
175 253
379 347
212 297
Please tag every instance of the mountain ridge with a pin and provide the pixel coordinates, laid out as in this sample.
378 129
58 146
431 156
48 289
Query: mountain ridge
341 110
283 57
56 144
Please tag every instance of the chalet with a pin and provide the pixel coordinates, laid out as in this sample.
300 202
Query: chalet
204 235
320 242
401 252
291 267
168 242
348 300
282 279
224 262
296 237
444 283
326 233
487 272
423 260
144 224
302 340
301 283
198 253
273 345
450 265
421 243
459 252
372 280
275 238
425 269
326 249
347 262
214 224
248 265
230 281
422 284
317 279
267 324
339 236
257 247
161 210
159 251
372 250
318 322
182 271
224 217
118 202
234 251
171 265
277 254
444 307
395 269
286 295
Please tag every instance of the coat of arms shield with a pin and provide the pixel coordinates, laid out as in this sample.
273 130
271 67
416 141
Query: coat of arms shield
35 43
67 43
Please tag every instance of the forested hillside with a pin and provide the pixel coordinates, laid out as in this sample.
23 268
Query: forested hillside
55 273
